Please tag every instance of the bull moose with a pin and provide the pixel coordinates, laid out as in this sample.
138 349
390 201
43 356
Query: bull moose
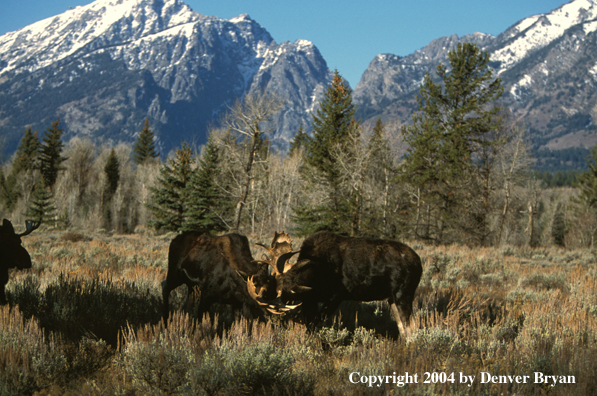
12 252
219 267
331 268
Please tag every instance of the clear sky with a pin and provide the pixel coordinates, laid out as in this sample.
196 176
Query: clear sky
348 33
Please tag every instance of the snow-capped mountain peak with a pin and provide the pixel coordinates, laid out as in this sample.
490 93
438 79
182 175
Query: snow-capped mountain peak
110 64
538 31
97 25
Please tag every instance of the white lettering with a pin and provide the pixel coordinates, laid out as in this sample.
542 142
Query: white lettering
467 379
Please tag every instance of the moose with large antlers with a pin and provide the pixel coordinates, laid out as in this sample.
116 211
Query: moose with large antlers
219 266
331 268
12 252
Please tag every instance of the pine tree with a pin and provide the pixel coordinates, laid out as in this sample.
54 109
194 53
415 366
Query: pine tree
168 200
558 227
585 204
300 140
41 208
381 173
26 159
27 153
587 182
144 148
5 192
112 171
448 137
50 155
203 197
332 123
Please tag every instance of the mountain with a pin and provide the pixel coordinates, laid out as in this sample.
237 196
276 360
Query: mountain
548 66
105 67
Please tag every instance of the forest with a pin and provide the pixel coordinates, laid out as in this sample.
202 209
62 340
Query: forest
463 172
508 284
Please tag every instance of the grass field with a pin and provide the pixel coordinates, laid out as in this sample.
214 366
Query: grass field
86 321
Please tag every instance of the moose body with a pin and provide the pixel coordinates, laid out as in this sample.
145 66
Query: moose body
333 268
217 265
12 253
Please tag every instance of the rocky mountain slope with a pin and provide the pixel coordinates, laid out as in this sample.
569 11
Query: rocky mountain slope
548 65
105 67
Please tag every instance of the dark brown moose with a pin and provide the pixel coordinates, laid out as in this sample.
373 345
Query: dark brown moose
219 267
332 268
12 252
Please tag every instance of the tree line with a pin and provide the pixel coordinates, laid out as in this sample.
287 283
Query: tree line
461 172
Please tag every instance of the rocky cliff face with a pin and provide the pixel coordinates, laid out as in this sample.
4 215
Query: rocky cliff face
104 68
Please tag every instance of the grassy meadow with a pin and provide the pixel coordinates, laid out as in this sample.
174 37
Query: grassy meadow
85 320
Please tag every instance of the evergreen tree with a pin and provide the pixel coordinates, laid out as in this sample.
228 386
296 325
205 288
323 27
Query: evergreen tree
448 137
300 140
332 123
382 158
203 197
587 182
168 200
144 148
26 159
50 155
27 153
112 171
558 227
41 208
585 204
381 173
5 192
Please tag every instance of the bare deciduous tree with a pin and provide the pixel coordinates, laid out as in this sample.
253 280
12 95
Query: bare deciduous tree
514 161
249 120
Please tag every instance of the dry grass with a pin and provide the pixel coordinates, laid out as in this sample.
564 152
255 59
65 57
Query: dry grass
86 320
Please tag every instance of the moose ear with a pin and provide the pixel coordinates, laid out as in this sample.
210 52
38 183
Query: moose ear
8 226
242 274
300 289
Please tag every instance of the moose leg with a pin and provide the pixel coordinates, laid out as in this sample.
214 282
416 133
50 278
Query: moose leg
402 315
3 282
330 308
166 289
2 294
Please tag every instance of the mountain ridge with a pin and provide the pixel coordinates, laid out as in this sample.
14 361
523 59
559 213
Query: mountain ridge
167 62
548 67
105 67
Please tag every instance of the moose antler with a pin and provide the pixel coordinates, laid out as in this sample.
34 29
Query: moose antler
281 244
31 226
276 306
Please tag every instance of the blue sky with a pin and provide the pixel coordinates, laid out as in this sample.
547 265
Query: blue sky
348 33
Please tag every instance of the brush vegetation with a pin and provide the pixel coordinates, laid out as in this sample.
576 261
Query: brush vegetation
86 321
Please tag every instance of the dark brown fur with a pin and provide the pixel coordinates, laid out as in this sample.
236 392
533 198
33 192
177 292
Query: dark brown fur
12 255
360 269
218 265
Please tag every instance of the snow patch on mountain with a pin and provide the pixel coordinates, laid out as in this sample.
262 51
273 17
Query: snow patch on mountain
538 31
100 24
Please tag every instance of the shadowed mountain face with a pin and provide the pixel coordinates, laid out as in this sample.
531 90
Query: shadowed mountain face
103 68
548 66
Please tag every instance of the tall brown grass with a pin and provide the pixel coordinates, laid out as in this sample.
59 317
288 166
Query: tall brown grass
86 320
